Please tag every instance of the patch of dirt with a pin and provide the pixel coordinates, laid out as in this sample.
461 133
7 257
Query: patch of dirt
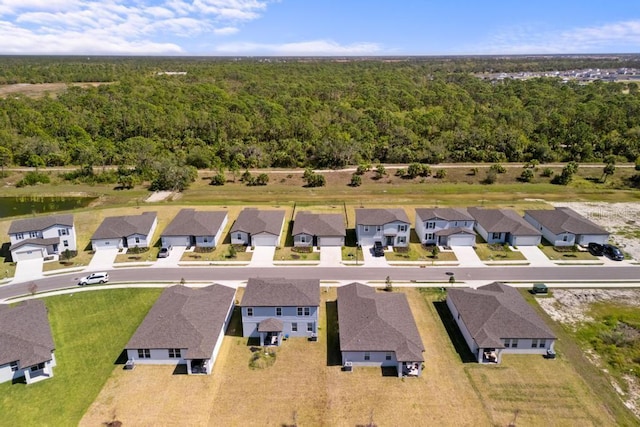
158 196
40 89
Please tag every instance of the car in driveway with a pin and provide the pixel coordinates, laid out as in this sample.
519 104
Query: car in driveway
164 252
613 252
94 278
378 249
596 249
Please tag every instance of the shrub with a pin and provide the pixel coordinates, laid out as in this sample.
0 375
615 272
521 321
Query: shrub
441 173
498 168
547 172
491 177
526 175
218 179
356 180
33 178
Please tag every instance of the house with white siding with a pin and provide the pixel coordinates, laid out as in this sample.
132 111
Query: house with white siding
445 227
191 228
274 309
565 227
378 329
125 232
185 326
390 227
41 237
257 227
310 229
495 320
504 226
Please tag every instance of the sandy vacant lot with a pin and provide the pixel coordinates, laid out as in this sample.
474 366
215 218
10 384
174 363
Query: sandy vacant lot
306 385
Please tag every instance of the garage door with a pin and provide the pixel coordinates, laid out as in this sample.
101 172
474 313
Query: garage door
462 240
28 254
175 241
330 241
263 240
525 240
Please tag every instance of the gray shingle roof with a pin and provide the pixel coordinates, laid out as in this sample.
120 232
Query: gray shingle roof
25 334
35 242
372 321
279 292
254 221
190 222
323 225
496 311
454 230
503 221
39 223
123 226
565 219
184 317
380 216
447 214
270 325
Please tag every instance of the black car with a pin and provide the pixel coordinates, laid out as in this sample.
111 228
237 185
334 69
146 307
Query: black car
378 249
612 252
596 249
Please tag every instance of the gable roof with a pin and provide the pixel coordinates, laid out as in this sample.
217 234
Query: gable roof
496 311
35 242
184 317
453 230
123 226
25 334
564 219
189 222
503 221
447 214
279 292
380 216
254 221
372 321
270 325
40 223
319 224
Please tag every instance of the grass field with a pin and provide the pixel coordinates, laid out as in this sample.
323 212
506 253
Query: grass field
90 330
497 253
555 255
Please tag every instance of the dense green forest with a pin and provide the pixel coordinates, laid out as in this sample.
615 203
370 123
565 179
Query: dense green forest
299 112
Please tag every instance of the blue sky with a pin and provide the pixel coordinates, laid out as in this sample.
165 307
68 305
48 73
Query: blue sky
318 27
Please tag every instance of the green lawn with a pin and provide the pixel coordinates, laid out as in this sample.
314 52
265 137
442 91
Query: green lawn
90 330
497 253
351 253
555 255
286 253
417 252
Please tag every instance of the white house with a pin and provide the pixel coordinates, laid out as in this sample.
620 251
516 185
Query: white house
565 227
390 227
257 227
195 228
40 237
495 320
125 232
26 344
311 229
445 227
185 326
504 226
273 309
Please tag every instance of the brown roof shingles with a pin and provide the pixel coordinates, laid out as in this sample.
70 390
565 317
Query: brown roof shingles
447 214
503 221
25 334
371 321
563 219
280 292
324 225
123 226
380 216
189 222
254 221
40 223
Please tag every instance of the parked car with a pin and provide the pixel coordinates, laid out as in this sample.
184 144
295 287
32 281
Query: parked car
612 252
596 249
164 252
378 249
539 288
94 278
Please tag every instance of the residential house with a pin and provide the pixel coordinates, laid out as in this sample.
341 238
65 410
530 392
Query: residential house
125 232
185 326
273 309
195 228
311 229
256 227
26 344
565 227
504 226
391 227
445 227
495 320
378 329
41 237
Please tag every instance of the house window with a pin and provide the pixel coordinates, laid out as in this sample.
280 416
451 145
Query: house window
14 366
514 343
33 234
37 367
65 243
507 343
378 228
304 311
19 236
206 240
431 224
367 355
402 239
137 240
388 356
534 343
239 236
63 232
144 353
542 343
402 227
565 238
294 327
175 353
429 236
249 311
309 327
278 311
303 238
495 236
107 243
365 228
455 223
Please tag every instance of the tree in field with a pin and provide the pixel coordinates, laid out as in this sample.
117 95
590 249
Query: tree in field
526 175
414 170
380 172
35 161
218 179
5 158
441 174
609 167
313 179
567 174
356 180
262 179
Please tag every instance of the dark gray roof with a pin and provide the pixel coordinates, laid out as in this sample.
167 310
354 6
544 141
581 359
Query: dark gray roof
190 222
270 325
279 292
254 221
496 311
40 223
25 334
380 216
454 230
373 321
447 214
322 225
184 317
123 226
35 242
560 220
503 221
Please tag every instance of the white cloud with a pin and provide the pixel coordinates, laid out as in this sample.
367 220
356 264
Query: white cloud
225 31
314 47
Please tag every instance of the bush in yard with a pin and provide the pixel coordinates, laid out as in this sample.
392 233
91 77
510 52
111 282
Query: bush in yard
491 177
218 179
356 180
441 174
526 175
33 178
261 359
547 172
498 168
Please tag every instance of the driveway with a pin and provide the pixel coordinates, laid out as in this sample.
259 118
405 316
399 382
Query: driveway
372 261
467 256
330 256
28 269
262 256
173 259
103 259
535 256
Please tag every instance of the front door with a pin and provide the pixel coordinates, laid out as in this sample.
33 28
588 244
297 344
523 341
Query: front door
125 243
389 241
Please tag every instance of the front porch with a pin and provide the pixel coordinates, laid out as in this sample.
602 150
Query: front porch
410 369
37 373
489 355
270 332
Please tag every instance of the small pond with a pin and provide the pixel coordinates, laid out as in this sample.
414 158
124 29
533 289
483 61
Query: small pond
24 205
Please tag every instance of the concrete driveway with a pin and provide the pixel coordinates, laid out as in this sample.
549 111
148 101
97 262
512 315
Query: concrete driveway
173 259
535 256
467 256
28 269
262 256
103 259
330 256
372 261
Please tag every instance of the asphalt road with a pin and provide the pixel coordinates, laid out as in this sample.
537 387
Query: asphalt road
556 274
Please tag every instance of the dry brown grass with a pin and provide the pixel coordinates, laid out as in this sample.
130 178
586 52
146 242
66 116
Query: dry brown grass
41 89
